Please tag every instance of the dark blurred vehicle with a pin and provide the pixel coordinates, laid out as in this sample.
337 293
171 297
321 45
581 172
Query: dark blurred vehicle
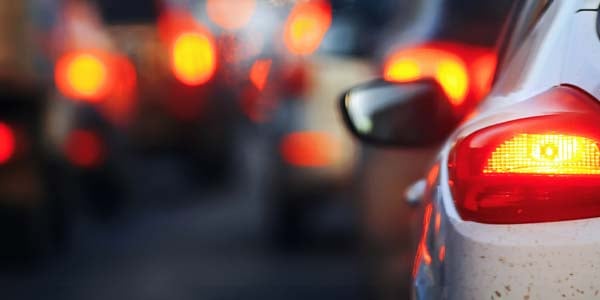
139 79
95 90
289 96
32 211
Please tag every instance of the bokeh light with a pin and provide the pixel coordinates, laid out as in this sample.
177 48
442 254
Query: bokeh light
194 58
7 142
230 14
306 26
83 76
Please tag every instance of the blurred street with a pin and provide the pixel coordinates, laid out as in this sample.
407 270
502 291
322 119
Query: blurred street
208 149
174 242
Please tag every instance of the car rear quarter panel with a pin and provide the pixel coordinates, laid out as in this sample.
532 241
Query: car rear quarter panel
558 260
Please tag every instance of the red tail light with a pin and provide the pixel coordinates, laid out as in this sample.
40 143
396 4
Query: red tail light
7 143
193 51
193 57
464 72
94 76
533 169
84 148
83 75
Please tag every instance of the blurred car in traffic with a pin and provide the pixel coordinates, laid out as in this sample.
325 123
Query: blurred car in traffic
32 209
436 43
139 79
510 199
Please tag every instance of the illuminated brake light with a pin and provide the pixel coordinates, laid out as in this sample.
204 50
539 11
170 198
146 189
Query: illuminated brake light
452 77
306 26
532 169
447 68
7 143
556 154
83 76
193 58
403 69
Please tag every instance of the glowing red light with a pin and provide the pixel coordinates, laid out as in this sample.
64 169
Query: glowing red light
84 149
534 168
464 72
192 48
426 62
120 104
7 143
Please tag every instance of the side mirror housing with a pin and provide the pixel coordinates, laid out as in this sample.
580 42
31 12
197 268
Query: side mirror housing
412 114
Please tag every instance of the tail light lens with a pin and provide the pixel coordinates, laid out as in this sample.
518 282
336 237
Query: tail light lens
532 169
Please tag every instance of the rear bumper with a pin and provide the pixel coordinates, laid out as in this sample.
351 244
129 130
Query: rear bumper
535 261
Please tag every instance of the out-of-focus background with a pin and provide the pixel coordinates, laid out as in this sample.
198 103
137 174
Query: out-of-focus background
193 149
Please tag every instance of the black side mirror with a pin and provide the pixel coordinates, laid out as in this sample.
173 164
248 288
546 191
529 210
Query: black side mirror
409 114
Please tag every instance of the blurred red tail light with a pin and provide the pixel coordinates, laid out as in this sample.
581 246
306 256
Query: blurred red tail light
309 149
7 143
94 76
534 169
84 149
193 58
83 75
464 72
192 48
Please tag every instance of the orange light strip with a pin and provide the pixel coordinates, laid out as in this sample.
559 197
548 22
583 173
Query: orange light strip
557 154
